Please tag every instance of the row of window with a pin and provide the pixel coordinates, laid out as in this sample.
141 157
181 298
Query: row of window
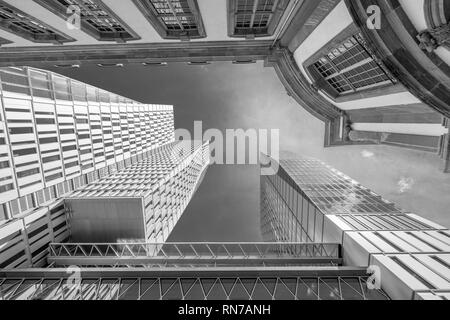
25 245
172 19
41 197
43 84
49 146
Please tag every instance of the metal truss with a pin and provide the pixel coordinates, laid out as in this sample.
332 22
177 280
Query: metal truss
129 254
190 288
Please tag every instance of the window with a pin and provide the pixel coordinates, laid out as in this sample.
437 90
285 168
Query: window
14 206
61 88
27 173
45 121
25 26
24 152
6 187
350 67
96 19
48 140
78 90
15 80
51 159
4 164
84 136
53 177
81 121
70 165
27 202
19 130
69 148
254 18
174 19
66 131
3 212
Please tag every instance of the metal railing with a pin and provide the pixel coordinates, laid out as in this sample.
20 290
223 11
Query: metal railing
198 250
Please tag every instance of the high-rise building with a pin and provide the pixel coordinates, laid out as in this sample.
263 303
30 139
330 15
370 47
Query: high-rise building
309 201
142 202
58 135
385 82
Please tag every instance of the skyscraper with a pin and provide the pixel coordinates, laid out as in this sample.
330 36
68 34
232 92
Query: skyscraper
58 135
142 202
309 201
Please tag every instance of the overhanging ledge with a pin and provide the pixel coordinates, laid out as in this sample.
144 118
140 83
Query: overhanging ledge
47 56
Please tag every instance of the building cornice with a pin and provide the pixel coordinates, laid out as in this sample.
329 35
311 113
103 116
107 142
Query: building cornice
135 53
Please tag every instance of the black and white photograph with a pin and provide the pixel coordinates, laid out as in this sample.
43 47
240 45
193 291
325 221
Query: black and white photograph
216 150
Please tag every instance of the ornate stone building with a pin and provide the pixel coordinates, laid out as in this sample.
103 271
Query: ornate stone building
375 71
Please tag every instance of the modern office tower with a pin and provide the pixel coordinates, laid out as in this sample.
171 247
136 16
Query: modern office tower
141 202
56 135
387 83
309 201
190 271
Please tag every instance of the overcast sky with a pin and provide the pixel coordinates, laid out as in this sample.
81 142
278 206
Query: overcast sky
227 96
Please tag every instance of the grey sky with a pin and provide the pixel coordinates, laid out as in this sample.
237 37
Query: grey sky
227 96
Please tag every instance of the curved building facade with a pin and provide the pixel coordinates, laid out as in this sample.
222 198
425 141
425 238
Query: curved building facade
375 71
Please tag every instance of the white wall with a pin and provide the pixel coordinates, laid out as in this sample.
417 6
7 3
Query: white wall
401 98
336 21
425 129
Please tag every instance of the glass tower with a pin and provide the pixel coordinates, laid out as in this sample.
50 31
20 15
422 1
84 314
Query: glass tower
309 201
296 199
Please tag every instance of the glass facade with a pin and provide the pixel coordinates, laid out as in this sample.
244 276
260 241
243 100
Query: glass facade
286 213
295 201
309 201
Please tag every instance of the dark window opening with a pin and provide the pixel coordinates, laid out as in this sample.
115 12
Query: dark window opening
174 19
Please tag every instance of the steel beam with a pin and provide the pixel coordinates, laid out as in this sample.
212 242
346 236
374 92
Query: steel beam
137 261
176 272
